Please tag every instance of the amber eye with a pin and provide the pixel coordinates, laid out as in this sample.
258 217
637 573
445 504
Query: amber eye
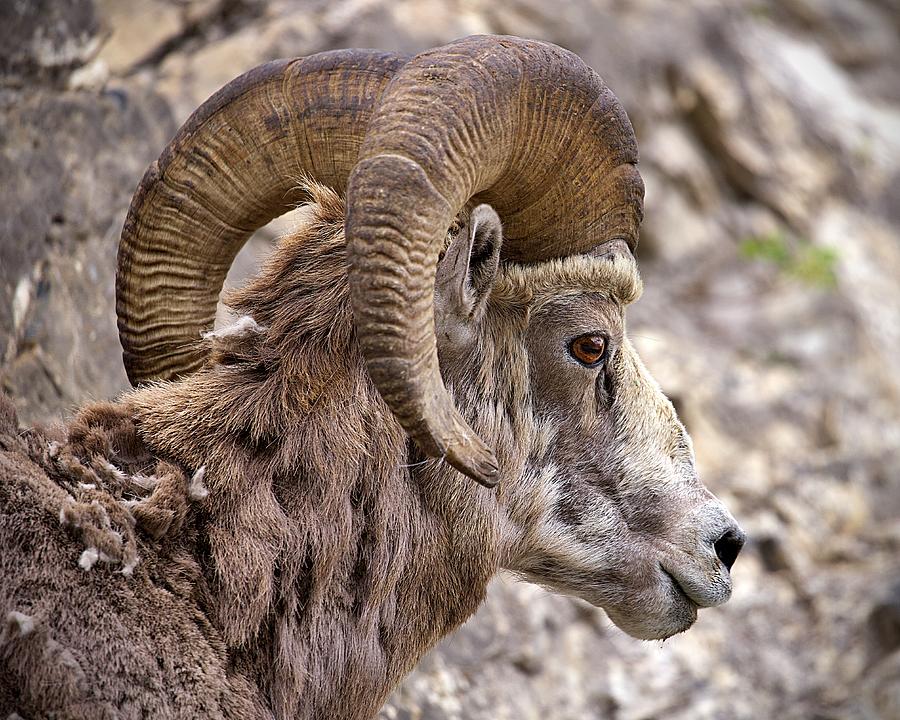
588 349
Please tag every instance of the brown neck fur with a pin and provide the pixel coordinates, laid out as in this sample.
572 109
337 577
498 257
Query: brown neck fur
335 558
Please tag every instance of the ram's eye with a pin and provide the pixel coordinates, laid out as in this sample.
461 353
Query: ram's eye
588 349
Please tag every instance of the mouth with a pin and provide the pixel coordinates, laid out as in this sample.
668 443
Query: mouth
667 610
682 607
702 584
677 589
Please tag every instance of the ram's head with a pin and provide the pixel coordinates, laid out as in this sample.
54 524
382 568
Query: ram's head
523 321
598 487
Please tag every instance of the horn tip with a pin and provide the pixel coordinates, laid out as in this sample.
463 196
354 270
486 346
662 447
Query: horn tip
478 462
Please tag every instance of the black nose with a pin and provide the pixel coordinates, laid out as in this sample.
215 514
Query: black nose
728 547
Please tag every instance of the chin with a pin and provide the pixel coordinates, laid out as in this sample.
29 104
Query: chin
657 619
654 628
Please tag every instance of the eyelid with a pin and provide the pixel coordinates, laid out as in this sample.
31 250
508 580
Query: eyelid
590 333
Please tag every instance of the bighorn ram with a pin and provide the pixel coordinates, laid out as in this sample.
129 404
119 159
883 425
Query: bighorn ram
266 527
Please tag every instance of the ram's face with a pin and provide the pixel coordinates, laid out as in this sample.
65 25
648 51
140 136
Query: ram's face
598 478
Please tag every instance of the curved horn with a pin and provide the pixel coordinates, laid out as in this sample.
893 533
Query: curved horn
232 167
523 125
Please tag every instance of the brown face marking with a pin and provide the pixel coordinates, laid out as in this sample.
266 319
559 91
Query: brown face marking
571 506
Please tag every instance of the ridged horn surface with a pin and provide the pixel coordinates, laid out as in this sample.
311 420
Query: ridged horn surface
520 124
232 167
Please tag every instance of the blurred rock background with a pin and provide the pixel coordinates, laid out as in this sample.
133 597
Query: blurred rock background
770 141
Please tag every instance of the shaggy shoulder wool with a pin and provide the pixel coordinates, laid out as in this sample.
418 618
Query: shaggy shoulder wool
99 581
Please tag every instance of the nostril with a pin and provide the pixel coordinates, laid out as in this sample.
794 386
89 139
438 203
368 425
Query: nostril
728 547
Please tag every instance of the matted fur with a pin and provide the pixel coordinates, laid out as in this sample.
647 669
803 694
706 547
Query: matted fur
314 563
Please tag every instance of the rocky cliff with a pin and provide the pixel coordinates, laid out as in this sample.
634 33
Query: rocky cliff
770 141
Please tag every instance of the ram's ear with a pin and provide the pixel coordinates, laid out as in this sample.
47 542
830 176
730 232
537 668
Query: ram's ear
466 272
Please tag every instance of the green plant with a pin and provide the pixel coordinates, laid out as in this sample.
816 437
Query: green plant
794 257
